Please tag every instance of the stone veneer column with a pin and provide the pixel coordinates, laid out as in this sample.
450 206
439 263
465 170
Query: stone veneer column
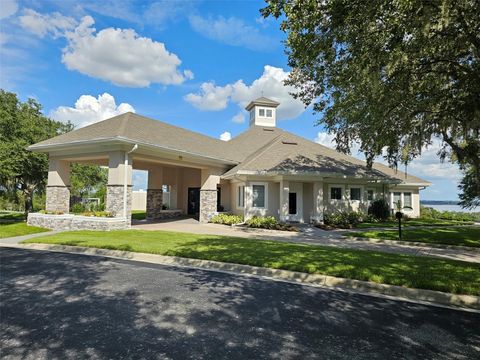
58 192
210 179
154 203
114 203
116 182
208 204
57 199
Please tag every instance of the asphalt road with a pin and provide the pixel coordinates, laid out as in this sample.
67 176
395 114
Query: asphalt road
62 306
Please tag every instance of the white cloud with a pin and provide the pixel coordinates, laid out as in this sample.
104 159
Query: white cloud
225 136
121 56
42 24
428 165
270 84
232 31
89 110
8 8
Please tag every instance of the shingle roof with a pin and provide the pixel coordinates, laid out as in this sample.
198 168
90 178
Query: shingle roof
262 101
284 152
144 130
258 149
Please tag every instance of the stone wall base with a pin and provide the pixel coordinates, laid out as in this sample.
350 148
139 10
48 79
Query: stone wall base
154 203
114 203
208 204
77 222
58 199
166 214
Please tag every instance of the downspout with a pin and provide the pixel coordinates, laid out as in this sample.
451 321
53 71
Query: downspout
135 147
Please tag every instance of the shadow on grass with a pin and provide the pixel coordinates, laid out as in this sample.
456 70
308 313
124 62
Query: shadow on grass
72 306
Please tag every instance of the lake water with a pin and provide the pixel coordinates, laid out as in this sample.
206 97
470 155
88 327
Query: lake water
451 208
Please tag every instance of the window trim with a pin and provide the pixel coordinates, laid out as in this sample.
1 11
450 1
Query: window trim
342 187
411 200
373 193
264 112
265 185
350 192
238 196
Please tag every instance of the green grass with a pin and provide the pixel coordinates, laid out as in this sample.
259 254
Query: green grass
413 222
404 270
138 214
465 236
12 216
17 229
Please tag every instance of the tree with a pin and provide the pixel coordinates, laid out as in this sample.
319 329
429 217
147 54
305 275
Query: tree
85 179
23 124
391 75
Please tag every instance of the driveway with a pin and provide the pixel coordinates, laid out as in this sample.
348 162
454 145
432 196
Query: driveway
310 235
63 306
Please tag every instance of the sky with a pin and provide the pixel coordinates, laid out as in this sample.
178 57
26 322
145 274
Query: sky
194 64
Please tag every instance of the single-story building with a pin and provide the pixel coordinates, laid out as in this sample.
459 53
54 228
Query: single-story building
263 171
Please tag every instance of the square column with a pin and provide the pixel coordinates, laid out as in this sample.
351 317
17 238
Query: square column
210 178
284 200
119 180
154 193
58 186
317 215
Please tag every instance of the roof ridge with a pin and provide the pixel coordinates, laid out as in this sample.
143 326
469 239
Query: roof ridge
261 150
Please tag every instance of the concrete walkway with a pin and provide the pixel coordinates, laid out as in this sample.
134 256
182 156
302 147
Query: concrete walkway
18 239
313 236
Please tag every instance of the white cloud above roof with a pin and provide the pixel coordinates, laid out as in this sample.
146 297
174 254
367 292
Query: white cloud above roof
270 84
232 31
89 110
428 165
54 24
121 56
225 136
8 8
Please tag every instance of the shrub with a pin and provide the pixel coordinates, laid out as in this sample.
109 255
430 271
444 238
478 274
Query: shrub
226 219
430 213
344 219
97 213
379 209
264 222
78 208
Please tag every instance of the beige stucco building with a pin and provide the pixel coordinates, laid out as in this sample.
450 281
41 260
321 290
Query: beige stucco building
263 171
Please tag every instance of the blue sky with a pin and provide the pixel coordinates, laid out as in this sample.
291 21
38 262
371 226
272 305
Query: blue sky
193 64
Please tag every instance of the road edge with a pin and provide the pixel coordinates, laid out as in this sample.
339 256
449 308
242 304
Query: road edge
364 287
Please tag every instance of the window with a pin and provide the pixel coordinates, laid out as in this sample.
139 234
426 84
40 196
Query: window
269 113
258 196
261 112
241 196
370 195
335 193
407 199
252 114
355 194
397 197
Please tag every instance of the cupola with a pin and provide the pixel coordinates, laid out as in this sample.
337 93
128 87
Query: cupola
263 112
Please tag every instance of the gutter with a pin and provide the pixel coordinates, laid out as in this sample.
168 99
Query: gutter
135 147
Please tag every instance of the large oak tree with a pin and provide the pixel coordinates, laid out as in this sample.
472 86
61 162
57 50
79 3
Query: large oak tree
393 75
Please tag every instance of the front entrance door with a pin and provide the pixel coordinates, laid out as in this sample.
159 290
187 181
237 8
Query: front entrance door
193 201
295 202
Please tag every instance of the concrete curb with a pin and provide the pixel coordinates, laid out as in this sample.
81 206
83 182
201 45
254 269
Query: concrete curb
414 243
365 287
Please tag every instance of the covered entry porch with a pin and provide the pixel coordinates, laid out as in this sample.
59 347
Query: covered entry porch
193 183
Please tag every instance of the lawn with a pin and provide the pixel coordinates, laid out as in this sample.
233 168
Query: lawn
11 216
413 222
465 236
404 270
18 228
138 214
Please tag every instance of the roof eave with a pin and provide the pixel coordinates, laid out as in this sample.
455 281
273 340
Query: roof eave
46 148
